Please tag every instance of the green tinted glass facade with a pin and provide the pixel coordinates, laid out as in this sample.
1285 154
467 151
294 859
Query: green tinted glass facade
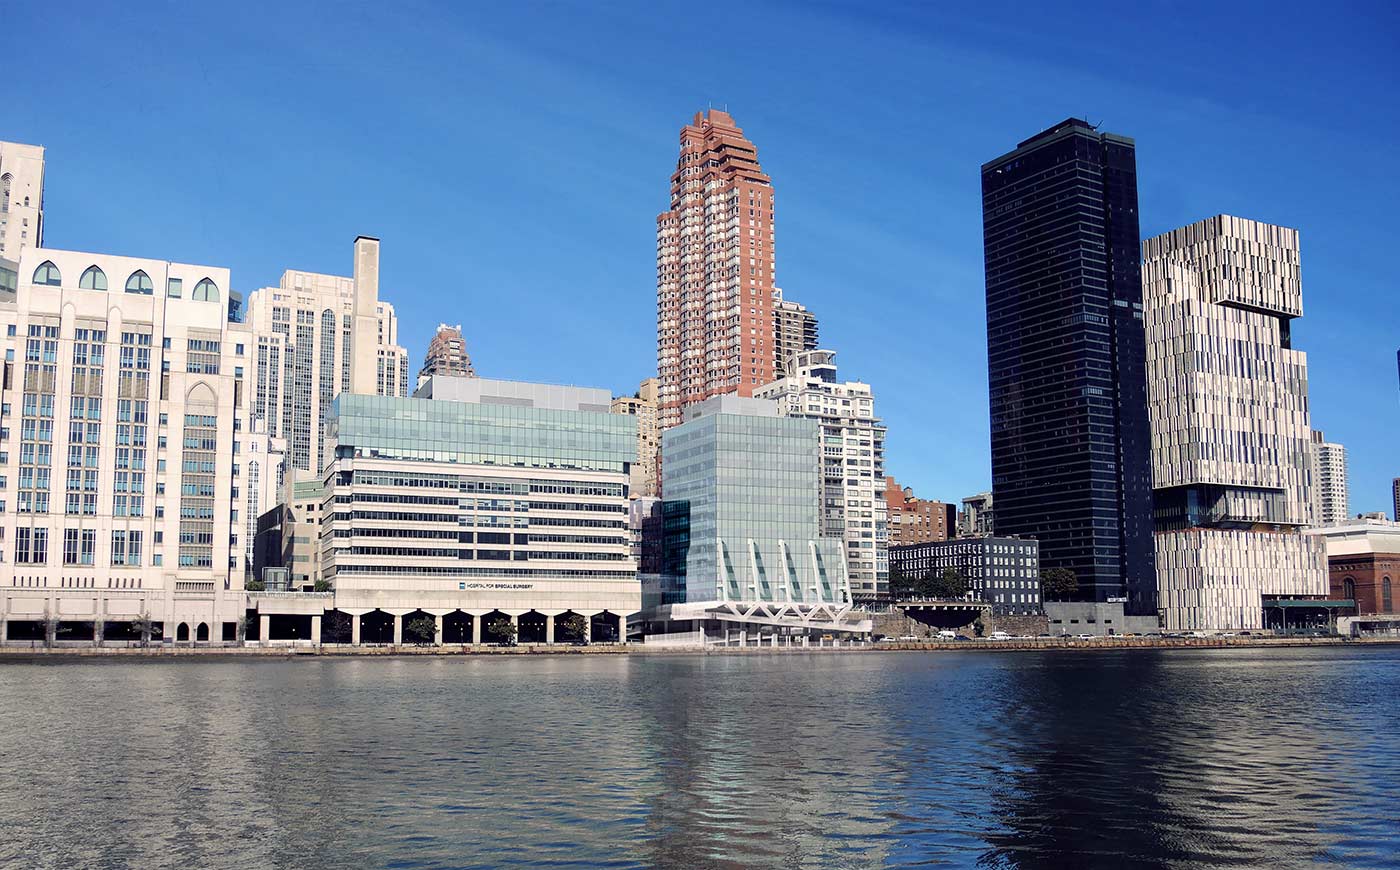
742 512
390 427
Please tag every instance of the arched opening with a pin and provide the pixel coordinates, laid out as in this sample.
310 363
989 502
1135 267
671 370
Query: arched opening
201 632
457 627
140 284
336 627
532 627
495 628
604 628
570 627
93 279
1349 588
419 627
47 275
1387 603
182 632
205 291
376 627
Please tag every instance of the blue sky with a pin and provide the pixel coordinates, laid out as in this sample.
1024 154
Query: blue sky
513 158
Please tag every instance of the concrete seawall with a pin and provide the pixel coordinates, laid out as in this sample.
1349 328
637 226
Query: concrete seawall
14 653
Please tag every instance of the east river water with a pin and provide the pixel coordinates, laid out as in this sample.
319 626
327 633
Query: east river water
1141 758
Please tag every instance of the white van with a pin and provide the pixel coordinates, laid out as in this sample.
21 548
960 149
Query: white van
947 635
999 635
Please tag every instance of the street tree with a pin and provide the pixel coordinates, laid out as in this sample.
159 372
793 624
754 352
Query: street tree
1058 584
420 629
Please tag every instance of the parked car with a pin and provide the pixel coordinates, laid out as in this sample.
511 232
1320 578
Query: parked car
947 635
999 635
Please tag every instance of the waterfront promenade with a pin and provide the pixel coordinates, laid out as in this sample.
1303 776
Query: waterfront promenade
303 649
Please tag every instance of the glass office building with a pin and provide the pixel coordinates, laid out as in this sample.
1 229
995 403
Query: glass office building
480 500
742 511
1065 351
428 430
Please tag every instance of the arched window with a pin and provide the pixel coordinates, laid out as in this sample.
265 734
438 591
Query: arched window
1387 603
140 282
5 192
93 279
47 274
1349 589
205 291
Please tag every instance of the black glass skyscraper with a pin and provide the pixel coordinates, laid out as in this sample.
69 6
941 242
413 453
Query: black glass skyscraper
1066 359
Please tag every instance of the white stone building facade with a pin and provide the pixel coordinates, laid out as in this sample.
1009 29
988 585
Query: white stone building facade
1228 403
121 449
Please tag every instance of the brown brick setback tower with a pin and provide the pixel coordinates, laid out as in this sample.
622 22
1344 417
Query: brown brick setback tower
714 270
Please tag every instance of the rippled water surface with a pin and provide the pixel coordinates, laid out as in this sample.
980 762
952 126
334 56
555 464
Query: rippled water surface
1284 758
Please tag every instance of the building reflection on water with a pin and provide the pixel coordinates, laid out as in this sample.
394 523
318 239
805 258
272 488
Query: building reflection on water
1116 759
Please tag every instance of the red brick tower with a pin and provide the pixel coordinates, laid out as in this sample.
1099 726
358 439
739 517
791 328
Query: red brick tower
714 270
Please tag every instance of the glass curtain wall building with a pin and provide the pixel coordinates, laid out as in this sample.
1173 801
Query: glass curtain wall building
1070 432
742 521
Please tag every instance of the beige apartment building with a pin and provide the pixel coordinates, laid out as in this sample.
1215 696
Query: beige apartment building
21 198
642 405
306 328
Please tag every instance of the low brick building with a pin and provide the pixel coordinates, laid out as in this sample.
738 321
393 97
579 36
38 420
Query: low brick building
916 520
1363 563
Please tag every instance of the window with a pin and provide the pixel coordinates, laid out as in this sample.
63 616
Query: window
93 279
47 274
205 291
1387 603
173 287
140 282
1349 589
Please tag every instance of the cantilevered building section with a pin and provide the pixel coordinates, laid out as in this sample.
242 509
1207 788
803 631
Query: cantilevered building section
1228 399
447 355
714 270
